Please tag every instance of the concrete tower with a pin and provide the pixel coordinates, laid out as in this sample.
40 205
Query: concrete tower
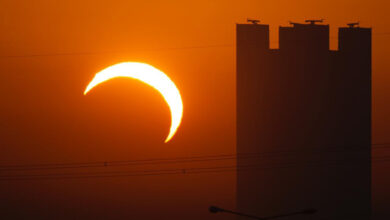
304 121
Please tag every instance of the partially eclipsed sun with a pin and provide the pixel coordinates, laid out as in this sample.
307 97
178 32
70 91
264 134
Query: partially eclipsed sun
151 76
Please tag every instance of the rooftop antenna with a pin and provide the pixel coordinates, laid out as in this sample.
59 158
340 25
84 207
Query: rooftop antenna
252 21
353 25
313 22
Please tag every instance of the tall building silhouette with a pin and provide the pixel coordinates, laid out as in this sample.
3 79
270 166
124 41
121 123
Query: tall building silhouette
304 121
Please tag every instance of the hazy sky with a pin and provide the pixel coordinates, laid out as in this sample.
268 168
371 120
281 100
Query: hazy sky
46 119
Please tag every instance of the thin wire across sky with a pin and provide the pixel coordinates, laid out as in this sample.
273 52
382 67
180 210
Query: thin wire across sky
185 171
7 173
177 160
86 53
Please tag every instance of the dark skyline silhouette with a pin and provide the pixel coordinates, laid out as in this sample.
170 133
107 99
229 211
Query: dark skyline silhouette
304 96
102 156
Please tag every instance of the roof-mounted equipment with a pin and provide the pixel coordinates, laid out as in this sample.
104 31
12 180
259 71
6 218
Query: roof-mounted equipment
252 21
353 25
313 22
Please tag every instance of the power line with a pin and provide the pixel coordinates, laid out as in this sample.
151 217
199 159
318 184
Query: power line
201 168
173 160
135 50
116 52
193 159
186 170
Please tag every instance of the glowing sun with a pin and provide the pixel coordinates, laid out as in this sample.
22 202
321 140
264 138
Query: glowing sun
151 76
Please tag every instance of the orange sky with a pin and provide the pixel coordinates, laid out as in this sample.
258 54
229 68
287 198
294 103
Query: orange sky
45 118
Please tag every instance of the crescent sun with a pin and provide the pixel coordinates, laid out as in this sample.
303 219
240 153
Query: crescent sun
151 76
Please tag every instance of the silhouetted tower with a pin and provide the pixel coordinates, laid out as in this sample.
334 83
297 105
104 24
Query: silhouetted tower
305 113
